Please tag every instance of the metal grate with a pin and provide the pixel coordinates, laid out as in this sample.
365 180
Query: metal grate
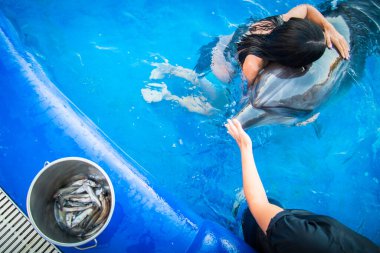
17 233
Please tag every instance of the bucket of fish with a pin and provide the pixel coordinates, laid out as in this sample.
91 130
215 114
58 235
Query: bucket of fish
71 201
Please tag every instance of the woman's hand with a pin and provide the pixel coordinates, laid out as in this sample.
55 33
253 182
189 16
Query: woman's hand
332 36
236 131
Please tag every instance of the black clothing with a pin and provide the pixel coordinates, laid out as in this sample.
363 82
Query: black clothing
299 231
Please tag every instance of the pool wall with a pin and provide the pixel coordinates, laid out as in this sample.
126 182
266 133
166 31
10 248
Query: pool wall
38 123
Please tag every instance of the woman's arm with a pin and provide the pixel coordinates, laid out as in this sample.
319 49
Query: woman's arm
254 192
331 34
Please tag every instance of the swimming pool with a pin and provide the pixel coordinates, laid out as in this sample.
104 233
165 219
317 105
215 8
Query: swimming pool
99 54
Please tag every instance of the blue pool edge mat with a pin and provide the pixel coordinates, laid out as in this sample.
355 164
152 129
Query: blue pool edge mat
38 124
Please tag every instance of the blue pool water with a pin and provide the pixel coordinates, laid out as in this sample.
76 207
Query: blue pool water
100 55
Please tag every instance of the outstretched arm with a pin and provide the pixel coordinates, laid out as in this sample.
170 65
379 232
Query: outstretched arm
254 192
331 34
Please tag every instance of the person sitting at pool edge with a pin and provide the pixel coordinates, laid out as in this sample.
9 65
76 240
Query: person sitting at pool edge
294 39
274 229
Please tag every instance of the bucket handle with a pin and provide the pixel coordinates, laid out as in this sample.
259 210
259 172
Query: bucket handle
46 163
89 247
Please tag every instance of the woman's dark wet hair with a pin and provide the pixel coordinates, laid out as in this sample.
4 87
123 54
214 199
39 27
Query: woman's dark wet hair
295 43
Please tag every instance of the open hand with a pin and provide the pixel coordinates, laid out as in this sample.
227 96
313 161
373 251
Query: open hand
236 131
332 36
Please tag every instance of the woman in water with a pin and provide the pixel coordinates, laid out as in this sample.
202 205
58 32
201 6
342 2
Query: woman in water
294 39
274 229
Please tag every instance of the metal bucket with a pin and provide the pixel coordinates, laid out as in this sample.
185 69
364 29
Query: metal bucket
40 200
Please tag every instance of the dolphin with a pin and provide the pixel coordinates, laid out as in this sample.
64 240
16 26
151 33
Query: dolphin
284 95
291 96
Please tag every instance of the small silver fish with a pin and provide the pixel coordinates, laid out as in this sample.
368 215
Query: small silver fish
83 224
98 191
105 210
84 200
78 182
93 196
79 218
70 203
65 191
59 217
69 219
76 208
82 195
94 218
83 182
81 189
